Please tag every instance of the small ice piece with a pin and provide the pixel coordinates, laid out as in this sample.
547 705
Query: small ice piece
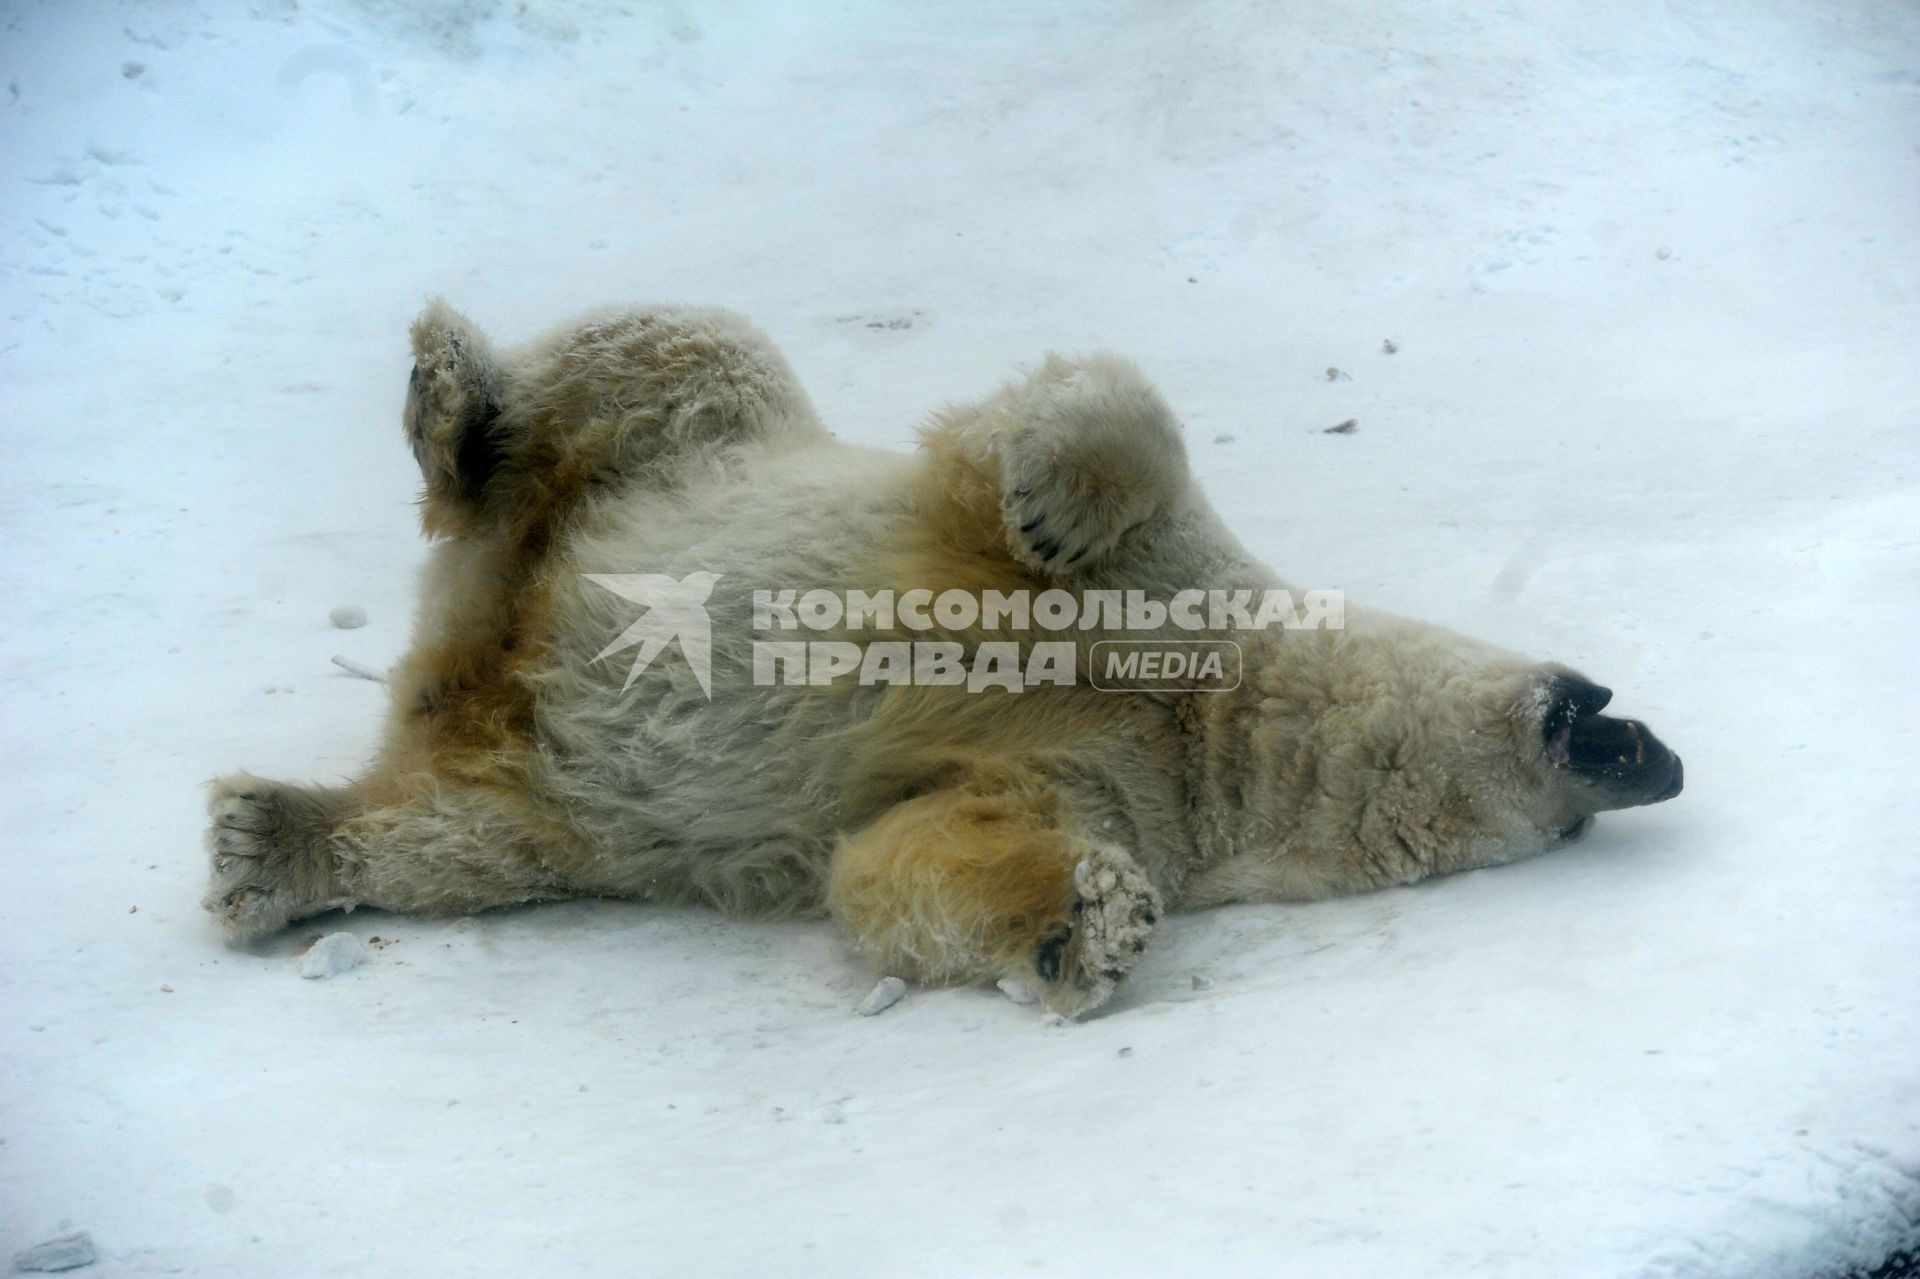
352 667
68 1252
348 617
1202 983
332 955
1018 992
886 992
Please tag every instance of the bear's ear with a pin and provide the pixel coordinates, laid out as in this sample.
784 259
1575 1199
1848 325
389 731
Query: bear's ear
1563 699
1567 697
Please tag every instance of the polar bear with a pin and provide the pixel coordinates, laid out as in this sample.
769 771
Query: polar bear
958 833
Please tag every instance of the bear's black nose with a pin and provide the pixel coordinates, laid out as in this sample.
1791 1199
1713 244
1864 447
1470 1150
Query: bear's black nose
1674 787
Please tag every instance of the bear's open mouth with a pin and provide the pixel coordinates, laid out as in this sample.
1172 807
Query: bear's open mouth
1620 757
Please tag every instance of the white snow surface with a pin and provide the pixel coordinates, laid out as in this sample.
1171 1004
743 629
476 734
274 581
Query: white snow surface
1654 411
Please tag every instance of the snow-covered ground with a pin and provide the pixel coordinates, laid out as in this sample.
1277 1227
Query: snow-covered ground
1655 411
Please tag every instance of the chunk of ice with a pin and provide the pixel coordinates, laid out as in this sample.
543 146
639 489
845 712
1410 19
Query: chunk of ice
885 994
332 955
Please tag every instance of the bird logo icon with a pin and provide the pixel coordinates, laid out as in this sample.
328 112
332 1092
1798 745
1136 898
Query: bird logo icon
676 610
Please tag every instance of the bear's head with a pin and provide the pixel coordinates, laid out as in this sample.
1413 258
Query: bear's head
1395 751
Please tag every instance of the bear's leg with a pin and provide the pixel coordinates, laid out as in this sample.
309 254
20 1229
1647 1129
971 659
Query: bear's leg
981 883
455 395
636 397
281 853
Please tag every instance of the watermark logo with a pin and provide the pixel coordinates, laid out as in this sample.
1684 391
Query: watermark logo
1160 666
1128 641
676 610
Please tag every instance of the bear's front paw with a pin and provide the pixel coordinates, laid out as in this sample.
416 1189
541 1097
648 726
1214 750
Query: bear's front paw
1094 455
268 858
244 840
1115 910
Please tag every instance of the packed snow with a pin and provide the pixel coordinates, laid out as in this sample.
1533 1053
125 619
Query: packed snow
68 1252
1018 992
1621 299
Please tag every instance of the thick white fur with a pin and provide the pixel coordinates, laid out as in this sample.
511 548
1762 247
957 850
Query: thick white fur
1345 761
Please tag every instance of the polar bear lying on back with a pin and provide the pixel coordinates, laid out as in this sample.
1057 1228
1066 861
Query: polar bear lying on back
957 833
